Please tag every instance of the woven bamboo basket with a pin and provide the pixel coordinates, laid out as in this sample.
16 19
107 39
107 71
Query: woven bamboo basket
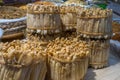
69 16
66 70
94 23
99 53
43 18
18 72
67 59
20 65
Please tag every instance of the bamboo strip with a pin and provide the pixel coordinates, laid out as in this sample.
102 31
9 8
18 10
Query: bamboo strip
19 65
68 71
99 54
96 23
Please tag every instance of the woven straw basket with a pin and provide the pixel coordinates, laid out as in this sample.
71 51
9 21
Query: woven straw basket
34 71
69 17
99 53
43 19
66 70
95 26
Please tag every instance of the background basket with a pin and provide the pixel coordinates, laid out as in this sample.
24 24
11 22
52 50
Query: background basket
99 53
43 22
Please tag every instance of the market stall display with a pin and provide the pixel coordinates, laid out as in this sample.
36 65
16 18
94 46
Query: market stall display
22 60
68 16
67 59
99 53
43 18
63 39
94 23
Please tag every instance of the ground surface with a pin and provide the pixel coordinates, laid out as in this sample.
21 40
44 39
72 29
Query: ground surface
112 72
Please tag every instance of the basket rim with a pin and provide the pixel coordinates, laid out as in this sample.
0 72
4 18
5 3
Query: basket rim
66 61
43 28
95 34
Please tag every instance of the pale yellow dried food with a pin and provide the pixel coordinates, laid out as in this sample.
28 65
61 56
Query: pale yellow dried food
9 12
22 52
99 53
24 7
82 2
94 23
22 60
42 7
68 50
115 27
43 19
44 3
68 15
67 59
94 13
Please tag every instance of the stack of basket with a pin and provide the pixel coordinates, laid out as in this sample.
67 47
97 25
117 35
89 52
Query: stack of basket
67 59
49 20
94 26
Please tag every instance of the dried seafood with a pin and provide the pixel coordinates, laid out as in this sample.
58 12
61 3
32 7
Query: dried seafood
66 49
68 16
99 53
9 12
24 7
22 60
94 23
67 59
43 18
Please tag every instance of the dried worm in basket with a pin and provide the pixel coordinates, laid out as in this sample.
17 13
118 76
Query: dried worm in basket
67 59
43 18
68 14
22 60
94 23
99 53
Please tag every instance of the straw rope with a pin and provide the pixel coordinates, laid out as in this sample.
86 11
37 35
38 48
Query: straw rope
95 63
42 28
93 17
65 61
93 34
